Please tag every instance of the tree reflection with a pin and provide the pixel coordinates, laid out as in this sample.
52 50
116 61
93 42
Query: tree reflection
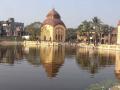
93 60
52 59
10 54
70 50
32 55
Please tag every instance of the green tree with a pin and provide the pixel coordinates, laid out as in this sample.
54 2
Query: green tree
86 28
71 34
95 29
34 30
97 23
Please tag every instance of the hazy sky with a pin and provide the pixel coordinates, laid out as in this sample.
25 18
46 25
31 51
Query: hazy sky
73 12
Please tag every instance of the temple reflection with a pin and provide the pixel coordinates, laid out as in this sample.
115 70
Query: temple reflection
117 65
52 59
93 60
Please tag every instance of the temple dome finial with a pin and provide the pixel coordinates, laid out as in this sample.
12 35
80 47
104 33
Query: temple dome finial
53 14
53 18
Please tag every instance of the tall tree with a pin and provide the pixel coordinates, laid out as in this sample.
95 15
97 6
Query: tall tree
97 28
85 28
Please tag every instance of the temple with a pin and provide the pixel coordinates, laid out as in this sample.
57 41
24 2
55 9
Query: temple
53 29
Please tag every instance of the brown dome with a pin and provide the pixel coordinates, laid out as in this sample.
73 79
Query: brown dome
53 19
53 14
53 22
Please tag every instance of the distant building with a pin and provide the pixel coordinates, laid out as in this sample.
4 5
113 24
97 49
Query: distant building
53 29
101 37
11 28
118 33
113 36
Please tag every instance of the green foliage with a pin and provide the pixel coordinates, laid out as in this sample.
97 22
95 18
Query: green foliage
95 25
105 85
86 26
94 28
71 35
34 30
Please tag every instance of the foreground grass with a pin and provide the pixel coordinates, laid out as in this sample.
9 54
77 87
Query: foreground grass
105 85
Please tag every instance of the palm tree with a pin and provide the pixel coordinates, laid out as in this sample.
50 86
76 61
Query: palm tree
97 27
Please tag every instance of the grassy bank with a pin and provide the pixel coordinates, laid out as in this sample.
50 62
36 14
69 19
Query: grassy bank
11 38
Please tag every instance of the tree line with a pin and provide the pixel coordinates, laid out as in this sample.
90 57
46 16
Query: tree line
87 27
93 25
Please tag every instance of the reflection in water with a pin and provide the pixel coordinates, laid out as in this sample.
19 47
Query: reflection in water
10 54
32 55
117 65
92 60
52 59
70 51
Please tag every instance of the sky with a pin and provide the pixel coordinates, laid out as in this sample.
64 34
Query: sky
72 12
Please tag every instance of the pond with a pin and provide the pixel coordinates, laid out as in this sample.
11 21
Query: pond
56 68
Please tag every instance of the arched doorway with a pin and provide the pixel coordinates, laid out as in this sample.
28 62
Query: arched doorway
44 38
50 38
56 37
59 37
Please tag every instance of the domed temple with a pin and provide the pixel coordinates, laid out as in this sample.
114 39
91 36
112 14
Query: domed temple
53 29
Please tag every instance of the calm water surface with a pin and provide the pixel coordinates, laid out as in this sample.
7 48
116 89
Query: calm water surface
55 68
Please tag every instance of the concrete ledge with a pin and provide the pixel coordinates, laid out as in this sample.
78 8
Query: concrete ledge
109 47
82 45
6 43
101 47
29 43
